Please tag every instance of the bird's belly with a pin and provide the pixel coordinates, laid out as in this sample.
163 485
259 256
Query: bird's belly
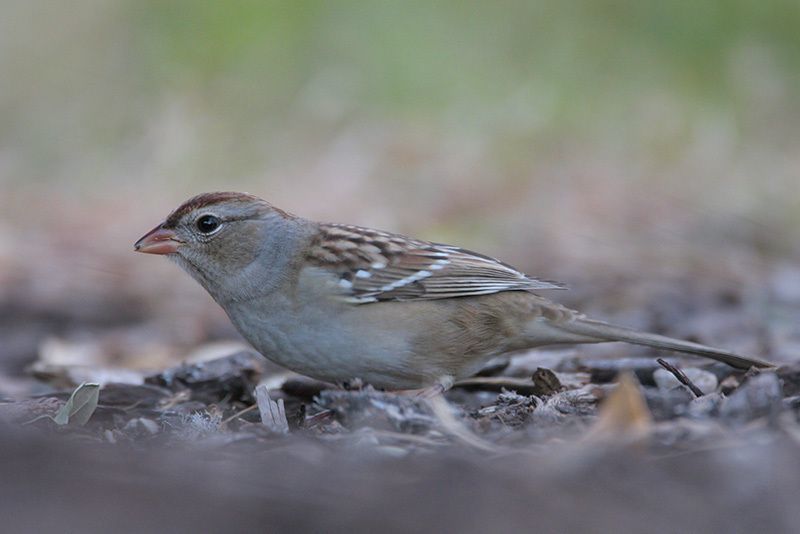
334 346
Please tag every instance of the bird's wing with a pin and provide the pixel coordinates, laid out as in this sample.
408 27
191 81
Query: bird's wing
377 266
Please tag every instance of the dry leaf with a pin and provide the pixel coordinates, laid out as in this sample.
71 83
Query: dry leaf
624 414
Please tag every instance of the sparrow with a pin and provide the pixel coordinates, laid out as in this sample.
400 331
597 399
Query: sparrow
337 301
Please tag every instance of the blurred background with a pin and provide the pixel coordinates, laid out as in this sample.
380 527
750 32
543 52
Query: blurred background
645 153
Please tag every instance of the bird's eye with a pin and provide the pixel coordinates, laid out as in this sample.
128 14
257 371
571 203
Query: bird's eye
208 224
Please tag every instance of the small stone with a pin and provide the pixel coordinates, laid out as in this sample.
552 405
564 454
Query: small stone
668 404
759 396
705 406
790 377
141 426
729 385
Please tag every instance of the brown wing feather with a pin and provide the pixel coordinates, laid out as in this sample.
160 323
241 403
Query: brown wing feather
375 266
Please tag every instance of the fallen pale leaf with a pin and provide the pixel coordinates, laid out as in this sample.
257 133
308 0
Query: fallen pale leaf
80 406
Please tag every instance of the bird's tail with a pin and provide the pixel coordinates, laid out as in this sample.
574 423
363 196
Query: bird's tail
601 331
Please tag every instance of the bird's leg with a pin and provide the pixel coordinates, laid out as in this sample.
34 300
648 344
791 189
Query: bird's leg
443 384
354 384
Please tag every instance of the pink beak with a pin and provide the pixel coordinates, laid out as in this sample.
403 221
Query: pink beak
159 240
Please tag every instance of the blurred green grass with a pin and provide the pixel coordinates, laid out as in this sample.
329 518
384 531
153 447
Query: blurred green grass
420 57
416 106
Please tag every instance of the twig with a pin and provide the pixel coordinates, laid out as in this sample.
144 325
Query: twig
239 414
317 419
681 376
411 438
523 386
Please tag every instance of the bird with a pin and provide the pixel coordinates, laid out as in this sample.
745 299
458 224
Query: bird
338 302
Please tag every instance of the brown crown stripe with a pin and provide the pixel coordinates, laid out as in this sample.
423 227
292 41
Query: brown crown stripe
205 200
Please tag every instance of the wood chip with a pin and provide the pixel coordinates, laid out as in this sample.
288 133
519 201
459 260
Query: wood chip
273 414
